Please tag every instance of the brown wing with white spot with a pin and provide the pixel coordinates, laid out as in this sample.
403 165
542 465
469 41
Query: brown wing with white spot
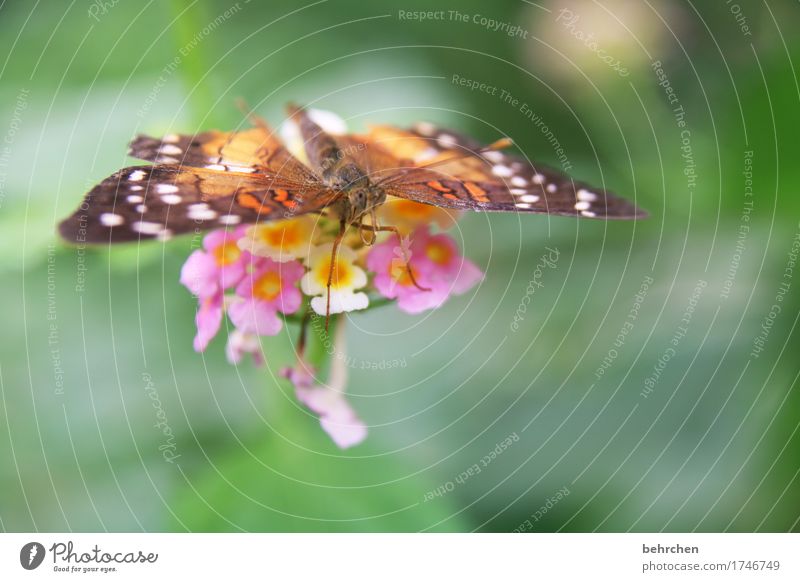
493 181
144 202
255 150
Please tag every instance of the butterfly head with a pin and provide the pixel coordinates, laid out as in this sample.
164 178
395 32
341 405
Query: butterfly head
360 194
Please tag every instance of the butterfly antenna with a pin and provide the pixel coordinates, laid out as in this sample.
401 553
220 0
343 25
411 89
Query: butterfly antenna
293 109
500 144
254 118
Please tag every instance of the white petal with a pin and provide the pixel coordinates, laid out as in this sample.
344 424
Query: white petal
359 277
340 302
328 121
310 286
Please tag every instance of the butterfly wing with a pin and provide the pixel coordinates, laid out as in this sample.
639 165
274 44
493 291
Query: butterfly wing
255 150
143 202
370 155
493 181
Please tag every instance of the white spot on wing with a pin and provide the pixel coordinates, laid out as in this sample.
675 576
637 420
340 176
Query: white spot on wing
242 169
141 208
523 205
502 171
519 181
518 191
171 138
447 141
582 205
144 227
134 199
586 196
230 219
171 199
426 154
215 167
166 160
166 188
538 179
588 213
136 175
170 150
425 128
494 156
529 198
552 188
201 211
111 219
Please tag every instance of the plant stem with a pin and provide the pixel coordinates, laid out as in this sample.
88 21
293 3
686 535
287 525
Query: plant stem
190 18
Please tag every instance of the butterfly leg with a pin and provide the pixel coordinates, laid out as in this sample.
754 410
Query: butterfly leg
334 251
375 230
364 228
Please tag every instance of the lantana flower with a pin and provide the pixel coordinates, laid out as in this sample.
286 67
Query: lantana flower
266 290
261 275
347 278
438 255
282 240
435 263
219 265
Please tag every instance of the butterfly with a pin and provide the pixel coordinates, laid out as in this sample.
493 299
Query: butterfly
220 179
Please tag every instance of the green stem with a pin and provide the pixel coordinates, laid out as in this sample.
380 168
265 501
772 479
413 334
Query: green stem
190 20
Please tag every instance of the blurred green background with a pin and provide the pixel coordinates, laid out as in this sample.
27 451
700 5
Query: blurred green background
713 446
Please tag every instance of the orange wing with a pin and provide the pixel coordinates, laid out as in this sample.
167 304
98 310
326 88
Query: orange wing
487 181
255 150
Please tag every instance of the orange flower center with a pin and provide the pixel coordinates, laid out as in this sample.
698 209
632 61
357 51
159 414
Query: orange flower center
439 253
411 209
284 236
226 254
268 286
342 274
399 272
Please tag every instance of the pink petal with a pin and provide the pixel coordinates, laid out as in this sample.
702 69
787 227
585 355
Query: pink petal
230 275
291 271
215 238
380 256
301 375
258 317
240 344
221 236
344 434
414 300
336 416
289 300
419 256
200 275
386 285
468 275
208 321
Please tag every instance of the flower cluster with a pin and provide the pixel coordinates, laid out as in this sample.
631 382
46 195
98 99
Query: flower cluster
266 274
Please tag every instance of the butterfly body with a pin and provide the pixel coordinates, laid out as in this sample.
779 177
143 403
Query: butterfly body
359 195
